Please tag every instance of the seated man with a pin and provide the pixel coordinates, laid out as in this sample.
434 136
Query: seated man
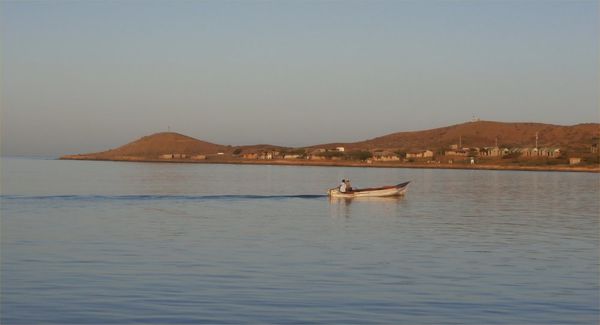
348 186
342 186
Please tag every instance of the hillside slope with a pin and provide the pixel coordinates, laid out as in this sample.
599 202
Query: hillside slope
157 144
484 134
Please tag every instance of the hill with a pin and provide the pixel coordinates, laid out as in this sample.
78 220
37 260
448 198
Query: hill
484 134
152 146
471 134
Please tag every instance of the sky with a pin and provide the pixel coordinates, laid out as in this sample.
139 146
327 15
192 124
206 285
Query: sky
85 76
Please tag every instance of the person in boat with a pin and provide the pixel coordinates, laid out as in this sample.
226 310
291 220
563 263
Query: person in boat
342 186
348 186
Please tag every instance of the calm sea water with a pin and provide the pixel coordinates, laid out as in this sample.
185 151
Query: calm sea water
115 243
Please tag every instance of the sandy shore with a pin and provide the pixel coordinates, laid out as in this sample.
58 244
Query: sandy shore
321 163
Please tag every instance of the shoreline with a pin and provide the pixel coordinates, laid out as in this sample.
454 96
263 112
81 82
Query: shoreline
309 163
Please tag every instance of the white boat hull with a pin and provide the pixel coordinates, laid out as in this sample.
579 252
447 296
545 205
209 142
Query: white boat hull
386 191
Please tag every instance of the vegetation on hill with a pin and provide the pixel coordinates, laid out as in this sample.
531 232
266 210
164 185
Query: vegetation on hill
577 140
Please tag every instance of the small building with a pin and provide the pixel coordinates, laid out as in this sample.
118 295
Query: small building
385 156
291 156
453 147
250 155
420 154
199 157
265 155
529 152
549 152
574 161
540 152
173 156
340 149
490 152
461 153
269 155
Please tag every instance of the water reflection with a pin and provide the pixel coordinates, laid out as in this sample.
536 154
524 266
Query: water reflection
344 207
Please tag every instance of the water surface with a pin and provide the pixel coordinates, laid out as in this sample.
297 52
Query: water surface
114 243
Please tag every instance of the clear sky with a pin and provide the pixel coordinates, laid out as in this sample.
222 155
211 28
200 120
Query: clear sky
82 76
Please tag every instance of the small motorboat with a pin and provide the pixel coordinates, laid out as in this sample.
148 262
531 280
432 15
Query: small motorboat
393 190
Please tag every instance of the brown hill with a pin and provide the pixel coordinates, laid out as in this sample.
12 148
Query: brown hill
471 134
484 134
152 146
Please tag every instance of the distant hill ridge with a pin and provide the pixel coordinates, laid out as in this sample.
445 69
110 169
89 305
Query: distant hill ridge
159 144
485 134
470 134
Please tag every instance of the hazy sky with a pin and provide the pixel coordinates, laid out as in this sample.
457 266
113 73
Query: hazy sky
81 76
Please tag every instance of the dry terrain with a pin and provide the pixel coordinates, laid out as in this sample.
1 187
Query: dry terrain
573 140
484 134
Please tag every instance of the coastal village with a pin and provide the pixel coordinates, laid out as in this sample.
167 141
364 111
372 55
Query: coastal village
453 154
460 146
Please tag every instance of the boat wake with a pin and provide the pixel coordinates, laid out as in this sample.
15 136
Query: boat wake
160 197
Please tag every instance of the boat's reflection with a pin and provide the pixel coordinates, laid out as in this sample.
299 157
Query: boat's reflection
344 207
385 199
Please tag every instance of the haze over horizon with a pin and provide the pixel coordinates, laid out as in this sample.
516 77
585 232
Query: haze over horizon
89 76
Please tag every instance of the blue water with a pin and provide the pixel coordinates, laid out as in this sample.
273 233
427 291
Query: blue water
126 243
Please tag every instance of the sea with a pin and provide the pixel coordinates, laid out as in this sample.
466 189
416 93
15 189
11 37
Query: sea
93 242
